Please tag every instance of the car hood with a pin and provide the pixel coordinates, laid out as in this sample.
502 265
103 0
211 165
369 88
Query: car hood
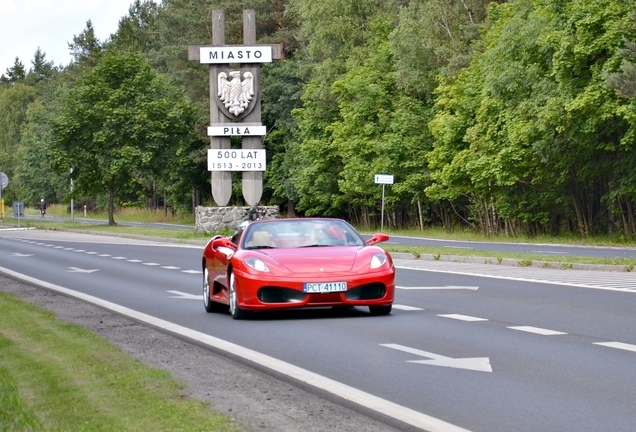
315 259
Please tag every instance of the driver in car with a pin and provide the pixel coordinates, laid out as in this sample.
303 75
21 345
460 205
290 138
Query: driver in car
318 234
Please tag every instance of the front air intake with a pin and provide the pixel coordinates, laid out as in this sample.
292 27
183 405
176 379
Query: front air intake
366 292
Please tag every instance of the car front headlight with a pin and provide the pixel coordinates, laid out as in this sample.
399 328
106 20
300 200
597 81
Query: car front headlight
256 264
378 260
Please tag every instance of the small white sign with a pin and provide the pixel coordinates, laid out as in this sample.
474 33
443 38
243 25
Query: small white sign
242 54
236 160
237 129
384 178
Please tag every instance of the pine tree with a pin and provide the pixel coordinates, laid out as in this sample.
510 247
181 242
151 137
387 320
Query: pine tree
42 70
14 74
86 47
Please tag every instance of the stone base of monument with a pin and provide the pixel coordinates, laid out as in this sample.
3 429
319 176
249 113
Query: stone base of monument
218 219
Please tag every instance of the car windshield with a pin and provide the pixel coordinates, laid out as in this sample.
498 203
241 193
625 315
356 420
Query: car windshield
300 233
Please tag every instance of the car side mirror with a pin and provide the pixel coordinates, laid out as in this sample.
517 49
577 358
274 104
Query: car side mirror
220 241
377 238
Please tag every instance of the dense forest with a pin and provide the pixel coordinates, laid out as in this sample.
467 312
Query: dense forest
513 117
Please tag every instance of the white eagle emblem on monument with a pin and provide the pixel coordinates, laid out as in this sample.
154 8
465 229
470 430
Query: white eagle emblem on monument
234 93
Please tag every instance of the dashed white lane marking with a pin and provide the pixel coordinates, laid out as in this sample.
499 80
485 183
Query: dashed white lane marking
151 264
405 308
192 271
119 258
134 260
463 317
104 255
171 267
617 345
537 330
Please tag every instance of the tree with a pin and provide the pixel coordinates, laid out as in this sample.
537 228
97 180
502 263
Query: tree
625 82
135 29
14 103
123 124
16 73
86 47
42 70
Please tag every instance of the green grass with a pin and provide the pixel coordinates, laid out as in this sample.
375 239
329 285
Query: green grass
126 214
59 376
438 252
470 235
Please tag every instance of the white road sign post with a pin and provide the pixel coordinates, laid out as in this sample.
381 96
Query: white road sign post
383 179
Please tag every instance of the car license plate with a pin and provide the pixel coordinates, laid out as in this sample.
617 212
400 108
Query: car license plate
324 287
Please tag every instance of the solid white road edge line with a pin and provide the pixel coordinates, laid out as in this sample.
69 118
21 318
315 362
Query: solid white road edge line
383 406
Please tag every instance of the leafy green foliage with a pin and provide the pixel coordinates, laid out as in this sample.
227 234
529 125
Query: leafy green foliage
516 117
121 124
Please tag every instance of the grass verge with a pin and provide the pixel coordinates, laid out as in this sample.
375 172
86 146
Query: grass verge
438 252
60 376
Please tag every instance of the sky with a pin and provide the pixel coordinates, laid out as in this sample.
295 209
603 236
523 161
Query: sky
26 25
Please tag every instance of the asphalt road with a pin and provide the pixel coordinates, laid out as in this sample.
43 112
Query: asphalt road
475 347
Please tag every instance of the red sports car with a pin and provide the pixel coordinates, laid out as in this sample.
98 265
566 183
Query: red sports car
293 263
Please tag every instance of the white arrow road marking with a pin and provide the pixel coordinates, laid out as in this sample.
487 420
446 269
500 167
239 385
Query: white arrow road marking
21 255
617 345
79 270
185 296
480 364
447 287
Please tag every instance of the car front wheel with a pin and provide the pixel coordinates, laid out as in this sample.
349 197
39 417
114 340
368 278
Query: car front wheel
235 311
208 304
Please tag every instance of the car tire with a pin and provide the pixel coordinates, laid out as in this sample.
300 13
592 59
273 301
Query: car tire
235 311
208 303
380 310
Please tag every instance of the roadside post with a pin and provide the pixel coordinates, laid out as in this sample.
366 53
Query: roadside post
4 182
383 179
18 211
72 202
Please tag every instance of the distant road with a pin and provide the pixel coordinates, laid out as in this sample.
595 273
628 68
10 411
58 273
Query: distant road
104 222
523 248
